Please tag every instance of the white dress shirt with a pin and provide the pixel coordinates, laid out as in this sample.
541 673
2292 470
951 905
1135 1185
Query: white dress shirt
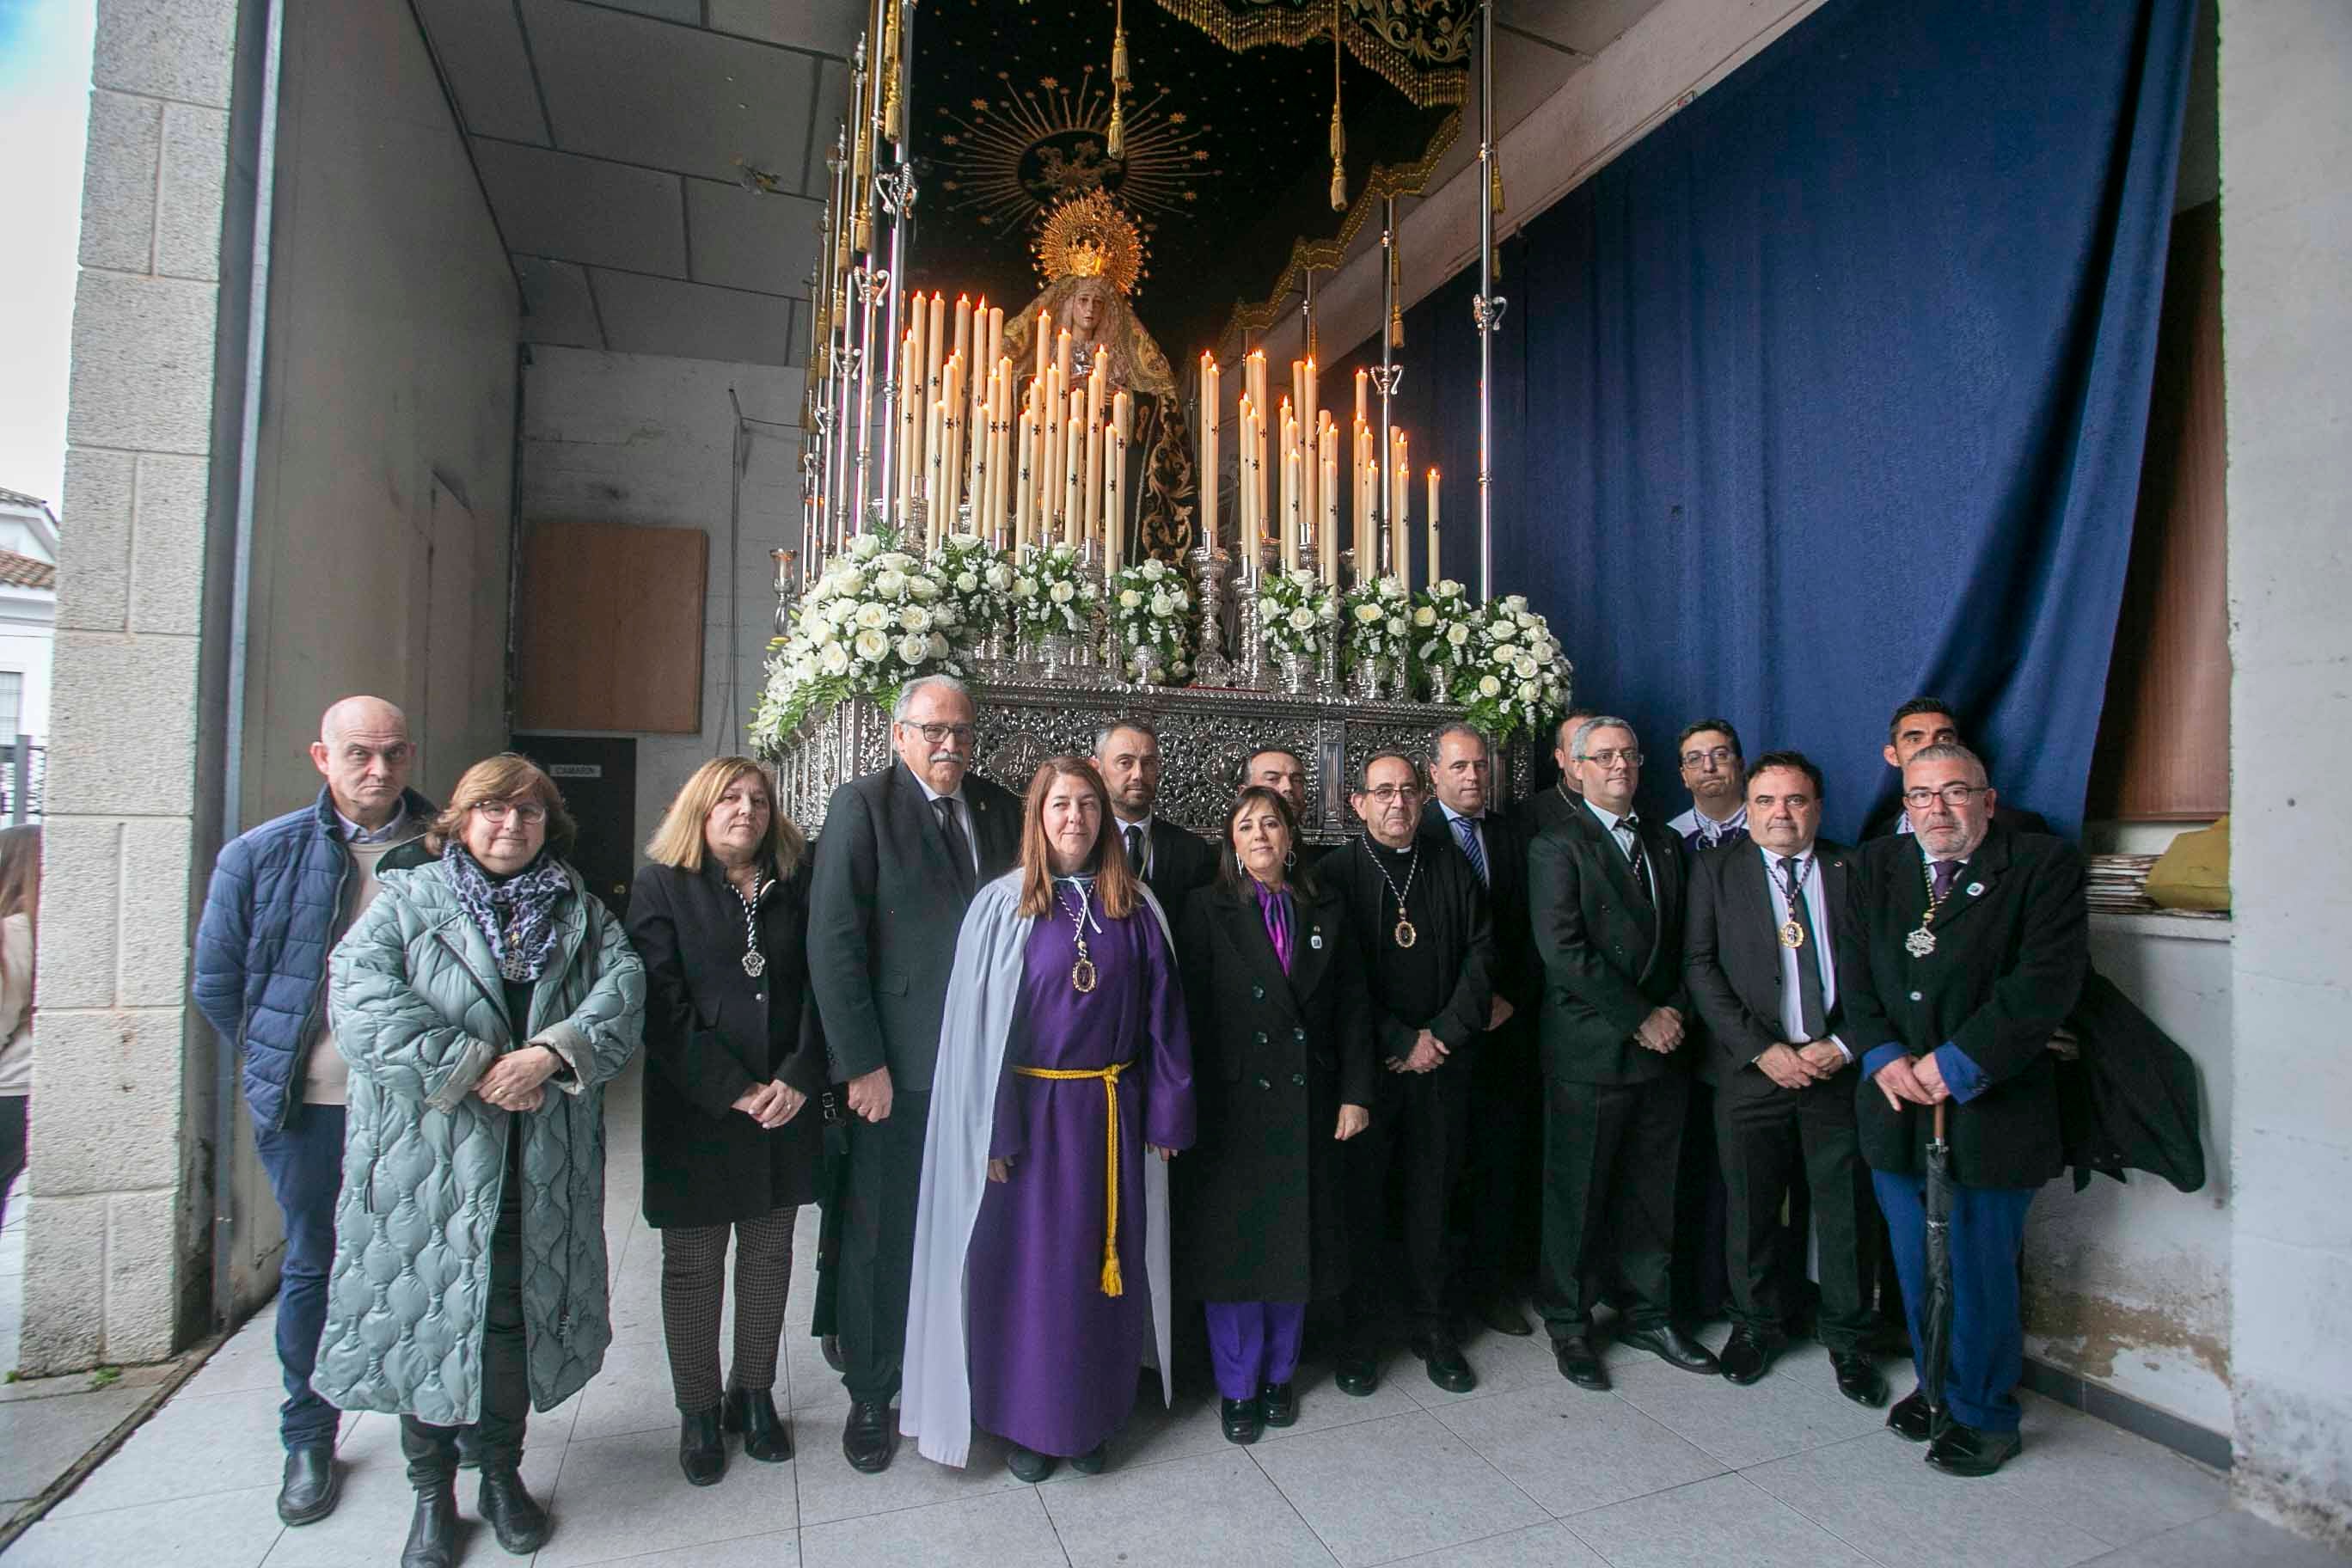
1817 952
1710 832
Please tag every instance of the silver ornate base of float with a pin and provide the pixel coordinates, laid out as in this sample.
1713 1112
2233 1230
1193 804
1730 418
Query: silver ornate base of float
1205 736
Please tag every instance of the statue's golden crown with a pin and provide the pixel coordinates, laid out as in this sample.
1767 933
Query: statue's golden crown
1088 237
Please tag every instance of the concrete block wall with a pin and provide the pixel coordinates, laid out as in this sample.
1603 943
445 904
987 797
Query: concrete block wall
113 1169
2286 314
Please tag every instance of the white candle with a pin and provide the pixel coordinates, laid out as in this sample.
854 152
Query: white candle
1094 467
1074 446
1289 504
1327 451
1210 413
1363 398
1434 574
1025 501
964 328
1062 355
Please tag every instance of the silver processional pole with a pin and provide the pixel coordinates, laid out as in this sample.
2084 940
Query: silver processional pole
1486 307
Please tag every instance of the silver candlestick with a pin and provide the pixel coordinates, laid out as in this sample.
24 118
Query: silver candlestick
1211 667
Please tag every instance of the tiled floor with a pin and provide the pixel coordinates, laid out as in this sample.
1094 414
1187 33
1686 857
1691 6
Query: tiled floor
1667 1470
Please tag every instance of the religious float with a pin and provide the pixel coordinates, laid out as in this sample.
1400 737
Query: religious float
1018 497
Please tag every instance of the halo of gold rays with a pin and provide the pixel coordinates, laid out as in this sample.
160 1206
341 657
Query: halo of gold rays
1068 130
1088 237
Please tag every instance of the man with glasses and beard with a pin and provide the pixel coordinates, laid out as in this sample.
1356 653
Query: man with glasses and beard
1421 917
1605 895
1962 949
902 853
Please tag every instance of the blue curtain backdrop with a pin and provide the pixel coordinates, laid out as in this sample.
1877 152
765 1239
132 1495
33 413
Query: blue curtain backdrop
1832 390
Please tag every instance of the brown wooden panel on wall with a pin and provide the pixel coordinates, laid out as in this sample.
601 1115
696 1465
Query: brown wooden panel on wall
2164 736
610 628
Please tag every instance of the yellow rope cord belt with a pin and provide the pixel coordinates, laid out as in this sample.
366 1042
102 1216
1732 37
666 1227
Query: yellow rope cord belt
1111 1283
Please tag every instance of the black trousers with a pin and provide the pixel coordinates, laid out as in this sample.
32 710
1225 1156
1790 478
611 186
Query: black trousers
693 1292
497 1441
1401 1173
1766 1136
877 1247
1612 1158
1499 1205
1702 1269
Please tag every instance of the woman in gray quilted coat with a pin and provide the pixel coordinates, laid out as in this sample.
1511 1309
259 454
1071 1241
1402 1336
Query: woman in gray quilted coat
483 1000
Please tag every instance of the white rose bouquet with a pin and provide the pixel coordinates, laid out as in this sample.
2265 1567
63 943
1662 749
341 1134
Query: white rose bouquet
1516 676
1052 596
1297 612
978 580
1152 613
1377 620
1445 626
877 619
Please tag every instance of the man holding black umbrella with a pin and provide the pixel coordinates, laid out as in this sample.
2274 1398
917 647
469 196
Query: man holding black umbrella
1963 946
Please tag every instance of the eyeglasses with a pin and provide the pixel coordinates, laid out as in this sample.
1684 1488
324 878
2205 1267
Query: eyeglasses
1626 754
1951 794
1386 792
1718 756
940 735
527 812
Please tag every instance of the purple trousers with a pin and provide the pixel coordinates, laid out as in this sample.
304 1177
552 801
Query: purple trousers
1253 1343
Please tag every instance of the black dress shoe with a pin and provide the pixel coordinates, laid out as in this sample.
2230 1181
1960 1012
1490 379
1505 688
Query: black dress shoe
1447 1367
1673 1347
1244 1422
831 1345
1278 1404
1911 1420
1502 1314
1858 1378
752 1412
433 1528
1358 1373
1092 1461
1579 1362
1964 1450
1029 1465
867 1440
311 1486
514 1515
1745 1357
701 1451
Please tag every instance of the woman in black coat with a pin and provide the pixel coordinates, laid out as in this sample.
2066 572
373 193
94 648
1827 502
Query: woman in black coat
1282 1070
733 1054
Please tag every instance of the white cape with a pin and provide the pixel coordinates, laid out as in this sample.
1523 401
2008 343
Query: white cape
935 1402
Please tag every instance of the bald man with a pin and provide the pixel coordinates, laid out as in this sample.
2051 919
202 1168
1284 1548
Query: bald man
281 897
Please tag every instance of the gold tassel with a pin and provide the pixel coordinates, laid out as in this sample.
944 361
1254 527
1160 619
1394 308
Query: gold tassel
1118 77
890 109
1396 312
1339 165
1495 178
1117 139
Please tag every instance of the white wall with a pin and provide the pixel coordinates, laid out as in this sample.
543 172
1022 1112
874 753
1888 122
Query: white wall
28 635
644 439
2286 324
2129 1284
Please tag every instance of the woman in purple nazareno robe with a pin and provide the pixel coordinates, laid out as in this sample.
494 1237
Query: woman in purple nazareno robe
1059 1288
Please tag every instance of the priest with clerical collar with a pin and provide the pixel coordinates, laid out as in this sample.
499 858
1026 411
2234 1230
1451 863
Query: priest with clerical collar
1421 917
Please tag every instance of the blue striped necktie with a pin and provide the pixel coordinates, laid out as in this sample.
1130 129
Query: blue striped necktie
1467 829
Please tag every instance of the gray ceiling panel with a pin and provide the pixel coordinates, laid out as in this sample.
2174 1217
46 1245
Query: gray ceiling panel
694 320
686 11
642 91
832 104
580 209
557 308
479 45
1586 26
744 240
829 26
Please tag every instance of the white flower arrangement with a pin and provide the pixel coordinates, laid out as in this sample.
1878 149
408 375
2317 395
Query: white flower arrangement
1378 618
1508 670
978 580
1297 612
1151 612
1052 596
877 619
1444 623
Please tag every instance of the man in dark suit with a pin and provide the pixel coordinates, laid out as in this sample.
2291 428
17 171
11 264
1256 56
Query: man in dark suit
1605 896
1964 947
1714 772
1919 723
1172 861
1761 955
1550 807
1501 1175
1421 918
904 850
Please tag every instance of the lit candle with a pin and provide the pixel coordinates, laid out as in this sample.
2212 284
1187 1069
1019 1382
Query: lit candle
1074 446
1363 397
910 424
1094 497
1210 413
935 350
1327 450
1289 504
964 328
914 371
1025 497
1247 535
1434 574
1403 491
996 334
1122 429
1062 355
1312 428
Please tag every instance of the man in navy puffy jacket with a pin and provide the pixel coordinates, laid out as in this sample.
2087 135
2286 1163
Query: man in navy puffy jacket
281 895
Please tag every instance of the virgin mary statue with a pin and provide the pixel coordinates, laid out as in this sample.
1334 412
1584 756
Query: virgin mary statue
1092 258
